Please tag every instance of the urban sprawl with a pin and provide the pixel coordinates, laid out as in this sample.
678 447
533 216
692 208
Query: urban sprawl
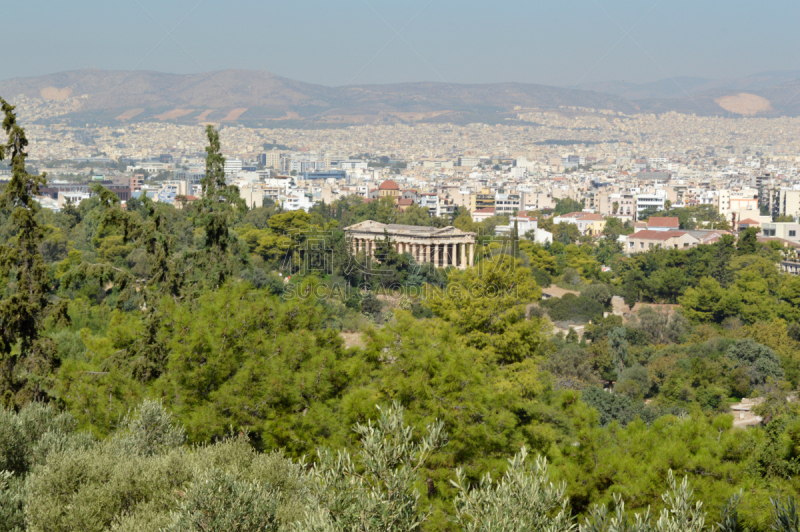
615 165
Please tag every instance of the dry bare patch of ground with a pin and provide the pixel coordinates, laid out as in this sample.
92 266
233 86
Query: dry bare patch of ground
175 113
52 93
202 116
744 104
130 113
352 339
234 114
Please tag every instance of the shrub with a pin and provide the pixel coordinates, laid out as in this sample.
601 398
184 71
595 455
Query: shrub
572 363
217 501
571 308
761 361
600 293
21 432
543 278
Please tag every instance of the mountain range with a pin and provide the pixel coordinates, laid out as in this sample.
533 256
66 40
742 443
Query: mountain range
264 99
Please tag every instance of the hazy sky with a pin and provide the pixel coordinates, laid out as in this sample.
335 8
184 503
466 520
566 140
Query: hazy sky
336 42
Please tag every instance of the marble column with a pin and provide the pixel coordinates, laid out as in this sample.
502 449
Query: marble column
463 255
471 255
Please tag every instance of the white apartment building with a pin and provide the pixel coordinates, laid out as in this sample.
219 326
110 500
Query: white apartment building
508 203
524 224
468 161
785 230
302 165
232 167
437 164
645 201
296 201
731 201
353 165
518 172
431 202
789 203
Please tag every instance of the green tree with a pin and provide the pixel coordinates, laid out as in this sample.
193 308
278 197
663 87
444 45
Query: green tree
25 307
567 205
720 267
487 304
216 214
748 241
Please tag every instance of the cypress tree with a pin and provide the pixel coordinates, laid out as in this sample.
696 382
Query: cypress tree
220 204
24 307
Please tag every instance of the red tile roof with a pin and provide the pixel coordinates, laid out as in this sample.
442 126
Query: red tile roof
485 210
389 185
649 234
663 221
749 221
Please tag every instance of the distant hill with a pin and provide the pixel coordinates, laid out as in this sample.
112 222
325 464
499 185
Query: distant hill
260 98
679 87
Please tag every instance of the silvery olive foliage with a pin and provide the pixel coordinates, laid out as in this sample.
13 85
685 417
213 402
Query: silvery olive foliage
524 499
144 477
375 491
149 430
217 501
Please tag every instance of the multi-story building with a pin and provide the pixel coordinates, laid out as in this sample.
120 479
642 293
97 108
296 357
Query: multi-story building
647 201
785 230
232 167
481 200
642 241
271 159
509 203
469 161
588 223
789 203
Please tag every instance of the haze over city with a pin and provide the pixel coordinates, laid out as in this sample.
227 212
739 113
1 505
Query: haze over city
357 41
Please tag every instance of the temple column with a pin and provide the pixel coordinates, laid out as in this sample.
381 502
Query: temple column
448 255
471 254
463 255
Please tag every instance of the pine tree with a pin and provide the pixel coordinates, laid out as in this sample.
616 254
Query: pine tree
24 308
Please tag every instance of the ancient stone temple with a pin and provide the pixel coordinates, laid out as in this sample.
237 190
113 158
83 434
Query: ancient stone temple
443 247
